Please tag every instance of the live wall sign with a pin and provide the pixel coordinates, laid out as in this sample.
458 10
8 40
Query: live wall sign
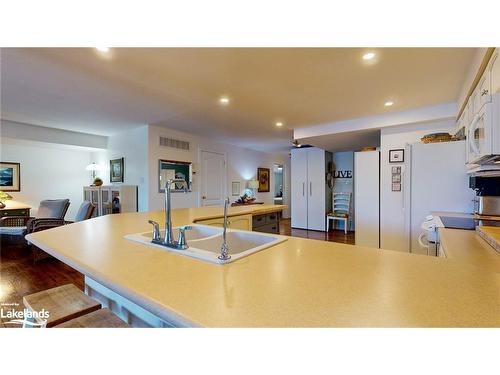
342 174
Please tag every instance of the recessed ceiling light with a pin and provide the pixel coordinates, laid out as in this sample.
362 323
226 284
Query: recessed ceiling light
368 56
388 104
224 100
279 124
103 49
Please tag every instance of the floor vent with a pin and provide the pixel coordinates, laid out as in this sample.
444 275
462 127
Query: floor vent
174 143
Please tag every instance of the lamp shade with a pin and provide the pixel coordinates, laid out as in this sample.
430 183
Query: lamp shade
93 167
4 196
253 184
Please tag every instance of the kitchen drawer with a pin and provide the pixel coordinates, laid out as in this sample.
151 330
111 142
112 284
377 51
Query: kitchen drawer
272 218
258 221
268 228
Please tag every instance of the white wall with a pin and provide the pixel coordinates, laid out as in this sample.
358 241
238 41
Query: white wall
132 145
392 229
48 172
344 161
242 166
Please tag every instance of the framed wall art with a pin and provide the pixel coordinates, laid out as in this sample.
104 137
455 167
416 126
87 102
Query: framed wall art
397 156
10 176
263 176
235 187
116 170
173 169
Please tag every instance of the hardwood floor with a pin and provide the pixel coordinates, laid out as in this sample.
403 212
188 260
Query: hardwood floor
332 236
19 276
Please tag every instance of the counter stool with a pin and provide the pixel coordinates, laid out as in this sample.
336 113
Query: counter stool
102 318
62 303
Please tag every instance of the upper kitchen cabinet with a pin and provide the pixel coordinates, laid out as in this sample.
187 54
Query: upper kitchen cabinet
483 125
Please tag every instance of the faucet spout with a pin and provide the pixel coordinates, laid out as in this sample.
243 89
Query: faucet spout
224 249
168 239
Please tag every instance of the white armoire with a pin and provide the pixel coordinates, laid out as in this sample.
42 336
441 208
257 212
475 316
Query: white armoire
311 196
111 199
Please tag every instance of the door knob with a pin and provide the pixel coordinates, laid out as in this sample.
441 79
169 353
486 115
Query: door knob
203 197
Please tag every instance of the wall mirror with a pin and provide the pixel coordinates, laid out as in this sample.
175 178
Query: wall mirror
170 169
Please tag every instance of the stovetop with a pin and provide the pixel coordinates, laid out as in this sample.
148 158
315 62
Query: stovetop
466 223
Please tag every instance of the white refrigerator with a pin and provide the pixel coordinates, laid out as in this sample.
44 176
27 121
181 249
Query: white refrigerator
367 196
438 181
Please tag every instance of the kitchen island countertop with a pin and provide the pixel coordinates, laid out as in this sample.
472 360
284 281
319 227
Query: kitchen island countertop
297 283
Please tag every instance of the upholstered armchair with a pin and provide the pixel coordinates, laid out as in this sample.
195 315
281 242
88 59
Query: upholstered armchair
85 212
51 213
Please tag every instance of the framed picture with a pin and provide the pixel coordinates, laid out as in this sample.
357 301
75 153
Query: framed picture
396 170
173 169
10 176
397 156
116 171
236 188
396 186
263 176
396 178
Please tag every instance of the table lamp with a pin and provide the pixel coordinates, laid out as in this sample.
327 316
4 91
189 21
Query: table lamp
3 197
93 167
252 185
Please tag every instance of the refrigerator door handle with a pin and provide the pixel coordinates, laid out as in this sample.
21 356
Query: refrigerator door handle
403 195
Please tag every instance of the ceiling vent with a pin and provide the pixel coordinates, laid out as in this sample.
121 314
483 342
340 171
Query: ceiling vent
174 143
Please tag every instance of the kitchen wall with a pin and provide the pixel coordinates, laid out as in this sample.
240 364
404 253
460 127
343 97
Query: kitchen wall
392 219
48 172
132 145
344 161
242 166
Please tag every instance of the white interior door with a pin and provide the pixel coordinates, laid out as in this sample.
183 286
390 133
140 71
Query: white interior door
316 210
299 189
213 178
367 196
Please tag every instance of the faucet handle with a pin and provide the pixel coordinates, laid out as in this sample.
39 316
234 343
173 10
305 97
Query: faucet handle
156 230
182 243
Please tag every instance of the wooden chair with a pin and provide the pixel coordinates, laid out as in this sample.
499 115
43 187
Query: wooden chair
62 303
341 210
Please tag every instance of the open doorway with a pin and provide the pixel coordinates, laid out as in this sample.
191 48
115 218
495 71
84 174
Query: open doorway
278 184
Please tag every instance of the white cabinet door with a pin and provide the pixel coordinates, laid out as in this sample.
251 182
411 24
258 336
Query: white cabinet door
299 188
479 139
316 211
367 194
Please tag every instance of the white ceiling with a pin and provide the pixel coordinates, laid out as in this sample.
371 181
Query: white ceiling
78 89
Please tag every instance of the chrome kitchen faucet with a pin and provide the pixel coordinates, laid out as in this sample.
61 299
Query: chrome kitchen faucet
168 239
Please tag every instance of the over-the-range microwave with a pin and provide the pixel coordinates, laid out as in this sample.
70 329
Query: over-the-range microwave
483 135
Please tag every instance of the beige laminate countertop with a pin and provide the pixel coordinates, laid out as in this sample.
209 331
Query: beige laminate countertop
297 283
467 247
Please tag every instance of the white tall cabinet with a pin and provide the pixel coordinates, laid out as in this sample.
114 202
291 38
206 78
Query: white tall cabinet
311 197
111 199
367 193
